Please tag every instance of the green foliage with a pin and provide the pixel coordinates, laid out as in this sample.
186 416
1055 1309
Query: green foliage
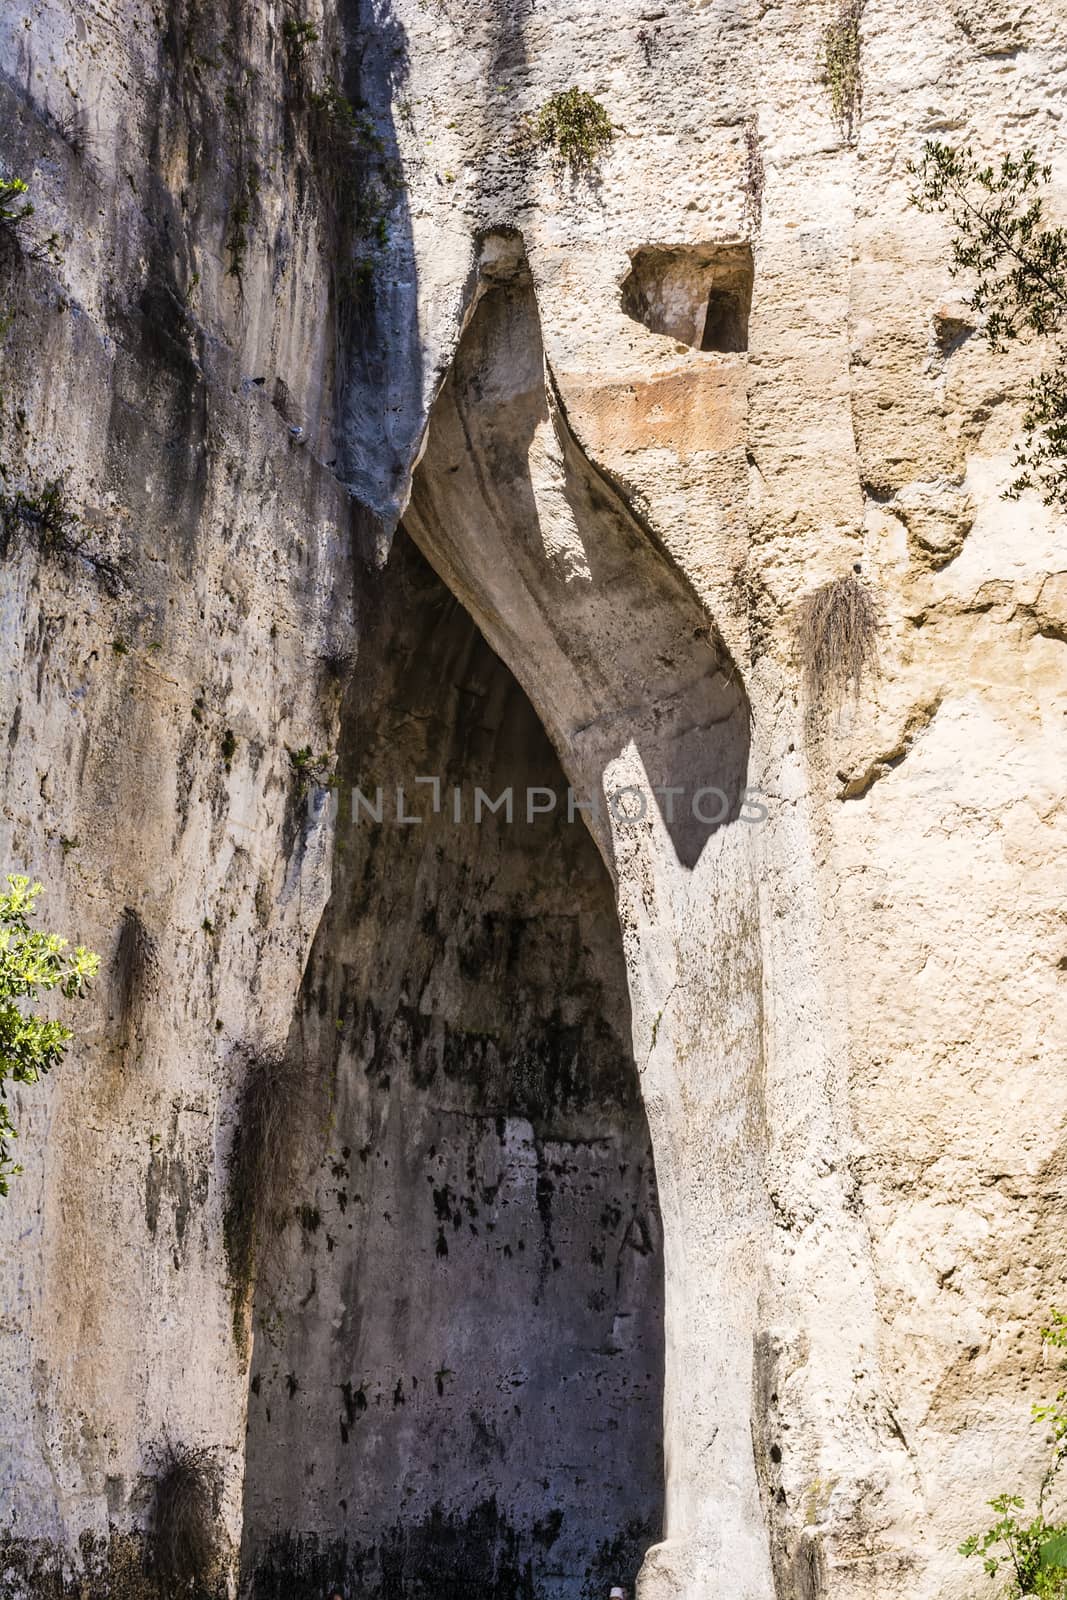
839 60
240 222
359 183
1019 266
15 209
575 128
337 119
1031 1553
313 770
45 514
299 36
31 963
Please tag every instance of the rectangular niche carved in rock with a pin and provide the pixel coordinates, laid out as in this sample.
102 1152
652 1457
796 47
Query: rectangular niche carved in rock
700 295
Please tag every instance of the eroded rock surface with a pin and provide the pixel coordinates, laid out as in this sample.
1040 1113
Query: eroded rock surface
631 421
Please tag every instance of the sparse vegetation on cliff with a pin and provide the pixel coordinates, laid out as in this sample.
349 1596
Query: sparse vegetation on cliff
312 771
299 36
262 1169
838 639
574 128
1032 1553
184 1542
359 183
44 513
839 62
1020 284
240 221
32 963
15 208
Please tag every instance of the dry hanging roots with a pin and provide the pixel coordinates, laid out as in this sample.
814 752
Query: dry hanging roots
262 1166
184 1520
838 636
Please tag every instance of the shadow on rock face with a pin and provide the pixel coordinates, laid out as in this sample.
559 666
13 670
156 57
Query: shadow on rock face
457 1383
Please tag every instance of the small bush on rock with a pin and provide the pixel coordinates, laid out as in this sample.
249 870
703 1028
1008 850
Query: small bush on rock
45 514
575 128
31 963
299 36
1019 267
15 209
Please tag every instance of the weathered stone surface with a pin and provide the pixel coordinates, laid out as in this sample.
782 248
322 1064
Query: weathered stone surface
846 1020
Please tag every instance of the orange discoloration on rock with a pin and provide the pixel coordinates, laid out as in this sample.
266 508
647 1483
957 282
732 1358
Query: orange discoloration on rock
698 407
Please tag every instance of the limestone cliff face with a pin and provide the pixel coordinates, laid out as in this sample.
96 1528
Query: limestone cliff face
667 1193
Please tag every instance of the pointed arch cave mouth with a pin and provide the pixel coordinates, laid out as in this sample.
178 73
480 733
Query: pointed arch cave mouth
458 1360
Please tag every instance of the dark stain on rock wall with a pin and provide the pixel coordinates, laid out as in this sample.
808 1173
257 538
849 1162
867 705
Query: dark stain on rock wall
475 1325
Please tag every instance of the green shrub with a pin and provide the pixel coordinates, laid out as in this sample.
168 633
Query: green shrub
299 36
1019 267
46 515
1031 1553
839 59
313 771
240 222
15 209
31 963
575 128
359 183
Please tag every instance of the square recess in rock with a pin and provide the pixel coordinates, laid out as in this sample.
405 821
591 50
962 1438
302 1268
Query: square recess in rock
698 294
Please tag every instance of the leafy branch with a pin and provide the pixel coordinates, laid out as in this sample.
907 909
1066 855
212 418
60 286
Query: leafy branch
1019 265
31 963
1034 1552
15 209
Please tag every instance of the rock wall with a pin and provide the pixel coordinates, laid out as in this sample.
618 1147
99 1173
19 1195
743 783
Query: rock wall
845 1016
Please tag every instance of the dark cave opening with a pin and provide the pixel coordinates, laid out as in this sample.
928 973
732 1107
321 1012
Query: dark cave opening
457 1366
726 322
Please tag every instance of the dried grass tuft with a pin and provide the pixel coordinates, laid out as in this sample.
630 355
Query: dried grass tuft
262 1168
838 639
184 1531
133 967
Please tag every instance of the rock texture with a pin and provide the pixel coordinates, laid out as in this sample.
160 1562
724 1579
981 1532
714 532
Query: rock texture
630 421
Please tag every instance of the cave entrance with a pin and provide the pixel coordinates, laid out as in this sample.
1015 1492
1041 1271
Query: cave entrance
457 1368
